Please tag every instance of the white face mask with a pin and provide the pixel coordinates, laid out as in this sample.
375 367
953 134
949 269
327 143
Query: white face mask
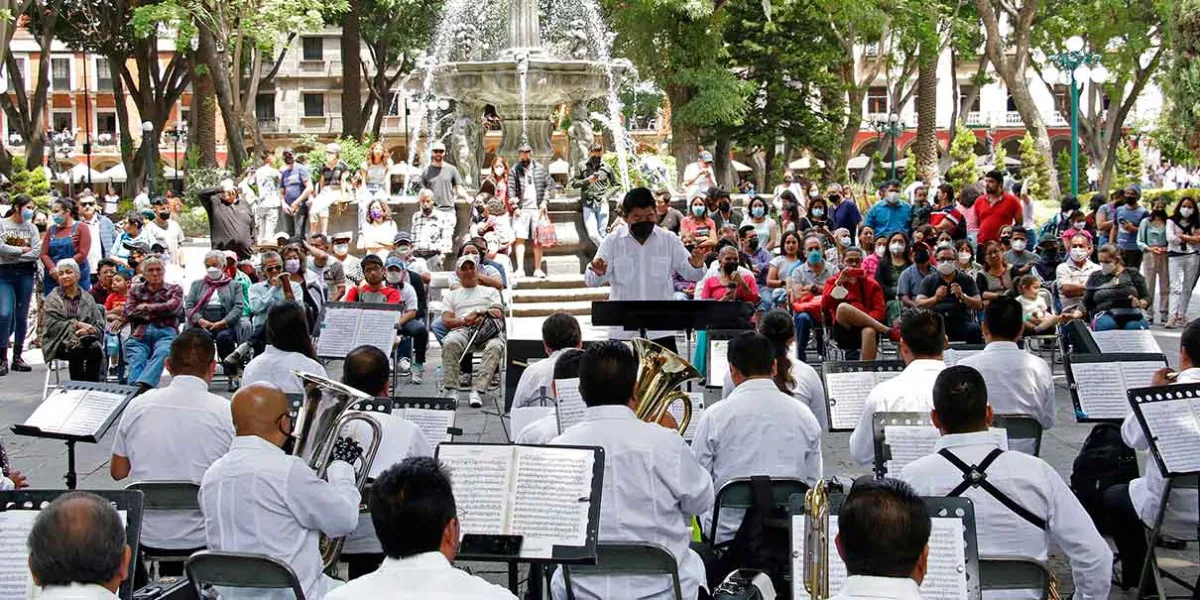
1185 211
341 249
1107 268
893 197
880 251
396 277
213 272
1080 225
964 257
1079 254
897 248
844 241
1018 245
946 268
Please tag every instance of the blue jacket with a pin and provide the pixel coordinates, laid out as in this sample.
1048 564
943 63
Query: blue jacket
885 219
108 234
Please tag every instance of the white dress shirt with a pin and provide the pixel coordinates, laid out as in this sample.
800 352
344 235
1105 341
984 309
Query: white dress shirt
865 587
258 499
641 271
535 377
652 487
275 366
1018 382
757 430
1146 491
539 432
809 389
426 576
174 434
76 591
1035 486
910 391
399 439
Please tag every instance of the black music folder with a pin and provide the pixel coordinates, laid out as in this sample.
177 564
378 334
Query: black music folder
80 411
847 385
1170 418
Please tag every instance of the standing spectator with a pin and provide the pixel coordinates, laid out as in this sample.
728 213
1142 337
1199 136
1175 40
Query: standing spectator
214 303
1152 241
1183 233
141 202
102 230
446 184
1104 214
131 234
996 208
699 176
19 253
66 238
74 325
921 210
495 185
111 201
530 187
266 212
376 170
432 231
668 218
946 215
1027 208
966 206
297 189
154 310
230 219
335 177
167 231
891 214
1128 218
843 210
595 182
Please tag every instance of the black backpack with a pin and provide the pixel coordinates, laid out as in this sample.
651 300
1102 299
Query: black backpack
762 542
1103 461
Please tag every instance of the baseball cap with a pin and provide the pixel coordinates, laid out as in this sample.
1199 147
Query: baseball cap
706 156
402 237
525 148
1133 188
394 262
158 246
466 258
333 148
231 255
282 236
345 235
139 245
437 146
158 201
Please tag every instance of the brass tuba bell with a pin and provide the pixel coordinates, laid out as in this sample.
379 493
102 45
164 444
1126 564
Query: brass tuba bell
660 374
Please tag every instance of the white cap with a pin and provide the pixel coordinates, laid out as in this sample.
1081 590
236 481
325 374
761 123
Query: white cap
345 235
467 258
437 146
227 185
333 148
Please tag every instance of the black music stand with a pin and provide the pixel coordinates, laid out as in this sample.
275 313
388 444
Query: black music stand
1117 410
669 315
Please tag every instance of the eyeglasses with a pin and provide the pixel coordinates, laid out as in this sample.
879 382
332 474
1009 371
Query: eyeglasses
273 268
82 204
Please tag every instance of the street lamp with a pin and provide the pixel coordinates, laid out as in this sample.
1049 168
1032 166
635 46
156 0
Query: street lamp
1075 67
179 132
61 143
892 128
147 133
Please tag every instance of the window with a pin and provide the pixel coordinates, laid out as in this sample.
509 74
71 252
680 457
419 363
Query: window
963 92
62 121
106 122
60 73
12 83
314 105
1010 105
393 109
877 101
264 106
103 75
313 48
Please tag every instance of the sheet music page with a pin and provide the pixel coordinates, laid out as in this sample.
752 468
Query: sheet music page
908 443
377 328
1101 390
571 408
15 579
1122 341
553 496
339 331
1139 374
676 410
718 362
882 376
947 576
433 423
54 411
524 416
953 357
91 413
1177 431
482 480
848 395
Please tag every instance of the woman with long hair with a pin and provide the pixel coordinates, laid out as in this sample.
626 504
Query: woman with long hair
764 226
495 185
1152 241
791 215
780 269
1183 235
379 232
288 347
66 239
376 169
998 278
19 251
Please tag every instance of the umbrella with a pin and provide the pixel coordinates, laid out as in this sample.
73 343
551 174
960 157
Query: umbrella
858 162
805 162
79 174
116 174
740 167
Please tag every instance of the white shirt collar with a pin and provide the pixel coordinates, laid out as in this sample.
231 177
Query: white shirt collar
1001 346
756 385
926 364
424 560
974 438
253 442
865 586
1191 375
610 413
76 591
188 381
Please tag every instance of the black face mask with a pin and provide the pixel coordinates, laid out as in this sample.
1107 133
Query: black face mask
724 206
594 161
729 268
1131 201
752 243
1159 214
641 230
164 215
427 210
921 256
835 198
41 227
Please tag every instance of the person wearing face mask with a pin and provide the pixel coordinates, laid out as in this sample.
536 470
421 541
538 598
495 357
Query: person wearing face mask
789 184
818 216
1183 233
433 234
379 230
638 260
1128 218
721 209
66 238
530 185
966 260
19 253
895 268
995 209
954 296
890 215
805 285
946 215
1116 296
759 259
872 260
768 229
843 210
595 182
351 265
165 230
495 185
403 242
294 267
1064 219
729 285
279 507
1073 274
1019 255
215 304
921 210
1076 223
697 229
1152 241
411 326
334 271
909 284
230 219
854 304
295 190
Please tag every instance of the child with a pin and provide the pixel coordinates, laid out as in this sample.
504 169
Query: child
114 307
1037 315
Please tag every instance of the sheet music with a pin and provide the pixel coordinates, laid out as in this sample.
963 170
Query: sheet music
553 497
377 328
848 395
339 331
15 579
571 407
1139 374
1123 341
433 423
522 417
1101 390
953 356
482 479
676 410
718 362
908 443
1176 430
75 412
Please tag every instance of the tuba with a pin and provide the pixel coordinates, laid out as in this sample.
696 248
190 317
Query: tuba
816 541
326 411
660 374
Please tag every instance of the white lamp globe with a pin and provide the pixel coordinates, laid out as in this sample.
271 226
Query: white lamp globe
1074 43
1100 74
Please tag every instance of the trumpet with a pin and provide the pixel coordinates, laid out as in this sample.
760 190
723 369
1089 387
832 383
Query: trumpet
319 423
660 374
816 541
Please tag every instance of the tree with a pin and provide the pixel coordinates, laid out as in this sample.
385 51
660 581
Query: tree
963 171
1000 158
1181 86
854 25
910 169
27 115
1062 165
32 182
1035 168
1129 166
392 45
1172 143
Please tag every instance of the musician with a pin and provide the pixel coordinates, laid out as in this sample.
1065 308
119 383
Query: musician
922 338
1021 503
757 430
78 549
545 429
412 508
883 536
288 348
638 259
258 499
1132 507
560 332
791 376
366 369
652 483
1018 382
466 308
174 434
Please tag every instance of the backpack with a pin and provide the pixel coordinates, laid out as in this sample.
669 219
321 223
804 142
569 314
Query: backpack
762 542
1103 461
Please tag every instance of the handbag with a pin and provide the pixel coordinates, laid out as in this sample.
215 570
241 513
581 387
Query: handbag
546 236
483 331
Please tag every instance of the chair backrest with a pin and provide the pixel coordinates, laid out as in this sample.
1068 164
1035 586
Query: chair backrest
1021 427
739 493
167 495
240 570
627 558
1013 573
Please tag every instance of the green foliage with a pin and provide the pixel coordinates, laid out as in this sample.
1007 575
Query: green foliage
200 178
194 222
354 152
963 171
169 14
1062 164
1171 142
1035 168
1000 157
879 175
641 101
1129 165
910 169
30 182
1181 86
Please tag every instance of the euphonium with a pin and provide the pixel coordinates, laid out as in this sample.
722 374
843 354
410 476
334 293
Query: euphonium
660 373
816 541
322 417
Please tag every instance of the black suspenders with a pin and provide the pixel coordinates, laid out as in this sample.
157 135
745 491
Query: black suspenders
976 476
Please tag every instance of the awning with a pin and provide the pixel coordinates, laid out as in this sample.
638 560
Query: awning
116 174
805 162
858 162
740 167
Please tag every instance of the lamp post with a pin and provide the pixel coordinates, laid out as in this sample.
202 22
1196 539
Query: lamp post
62 143
892 128
179 132
87 122
1075 67
147 133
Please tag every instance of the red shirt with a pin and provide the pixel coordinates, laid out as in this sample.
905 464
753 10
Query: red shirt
386 293
865 295
992 217
715 290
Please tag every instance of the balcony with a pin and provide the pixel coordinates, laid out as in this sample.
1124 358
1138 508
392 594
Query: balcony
1058 120
268 124
975 119
321 124
1012 118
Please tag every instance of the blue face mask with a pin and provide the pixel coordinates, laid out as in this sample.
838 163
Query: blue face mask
698 210
26 214
58 219
814 257
757 211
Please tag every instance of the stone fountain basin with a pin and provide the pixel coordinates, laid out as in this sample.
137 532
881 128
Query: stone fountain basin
549 81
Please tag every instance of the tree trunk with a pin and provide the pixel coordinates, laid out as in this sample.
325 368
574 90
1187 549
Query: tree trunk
765 184
685 138
204 105
125 135
352 115
927 143
218 63
723 162
854 102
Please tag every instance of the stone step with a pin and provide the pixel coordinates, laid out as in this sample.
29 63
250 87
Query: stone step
545 309
552 281
522 295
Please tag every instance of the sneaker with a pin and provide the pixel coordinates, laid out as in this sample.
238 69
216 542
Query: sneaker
475 400
3 368
18 364
540 274
404 366
894 333
417 371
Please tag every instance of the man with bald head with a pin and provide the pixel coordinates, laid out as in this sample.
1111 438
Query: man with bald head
259 499
77 548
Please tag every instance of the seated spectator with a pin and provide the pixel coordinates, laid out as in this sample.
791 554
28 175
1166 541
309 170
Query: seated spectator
131 232
684 289
489 258
1072 275
350 263
433 236
295 267
866 237
998 278
890 215
909 284
378 230
215 304
765 227
74 325
1116 296
333 271
966 260
1050 255
808 279
154 310
697 228
872 260
1036 309
105 270
883 539
288 348
114 315
894 268
730 284
486 276
412 328
952 294
271 291
1019 255
78 548
782 265
560 332
854 304
373 288
668 217
467 307
818 216
759 260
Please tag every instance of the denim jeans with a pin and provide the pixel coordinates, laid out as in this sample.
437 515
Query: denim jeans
439 329
595 221
147 354
414 330
804 326
16 287
1105 322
